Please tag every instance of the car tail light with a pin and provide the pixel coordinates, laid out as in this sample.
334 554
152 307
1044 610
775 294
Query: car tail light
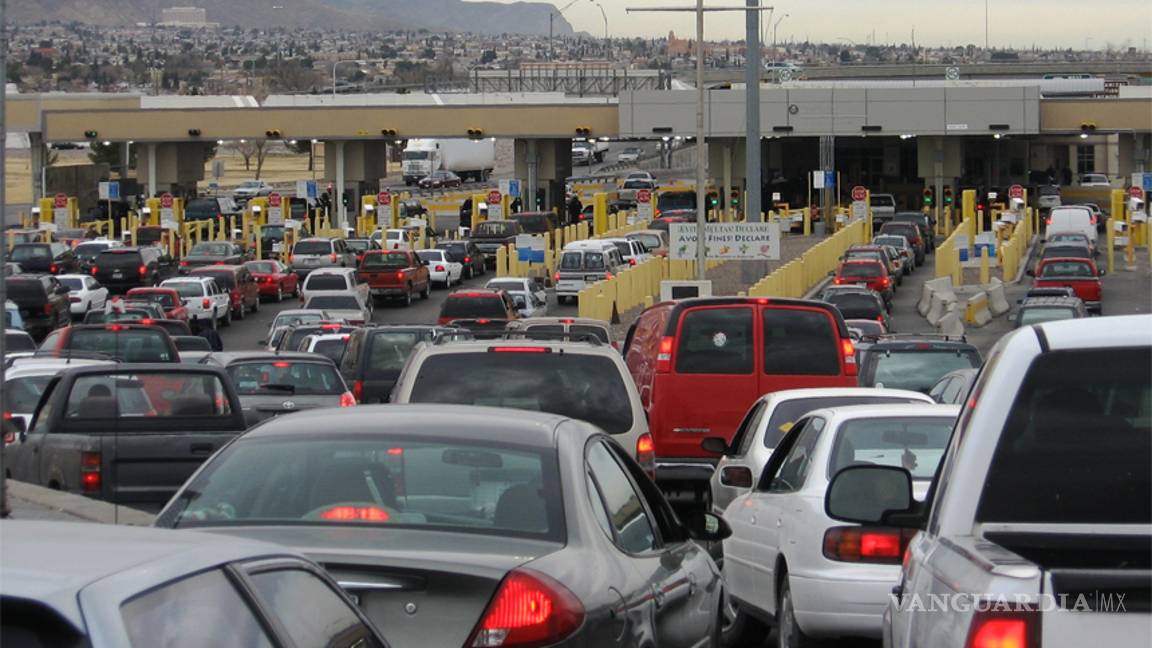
147 322
183 264
47 309
880 318
358 390
10 435
206 303
664 355
885 281
142 270
556 277
355 514
631 262
74 300
607 275
519 349
347 400
90 471
439 268
467 259
483 321
838 281
1004 629
1047 221
95 270
645 450
53 268
867 545
332 257
400 275
529 609
849 351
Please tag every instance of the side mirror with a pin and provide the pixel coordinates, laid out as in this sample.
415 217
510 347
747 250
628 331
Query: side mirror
1030 272
869 494
736 476
715 444
425 262
831 273
707 527
1102 272
61 290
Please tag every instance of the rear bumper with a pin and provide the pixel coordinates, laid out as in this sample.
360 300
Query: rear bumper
687 469
389 291
842 606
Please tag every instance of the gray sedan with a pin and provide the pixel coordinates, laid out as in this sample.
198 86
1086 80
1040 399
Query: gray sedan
99 585
470 526
275 383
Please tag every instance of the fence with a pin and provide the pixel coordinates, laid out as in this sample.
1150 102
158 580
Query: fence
797 277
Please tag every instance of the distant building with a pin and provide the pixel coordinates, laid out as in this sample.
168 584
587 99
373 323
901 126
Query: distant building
184 16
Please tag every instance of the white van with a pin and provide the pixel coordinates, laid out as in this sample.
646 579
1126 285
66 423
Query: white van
583 263
1073 219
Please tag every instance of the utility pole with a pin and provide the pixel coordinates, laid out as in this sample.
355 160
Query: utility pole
753 174
3 222
701 207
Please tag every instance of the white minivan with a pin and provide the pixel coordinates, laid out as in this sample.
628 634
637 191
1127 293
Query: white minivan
1073 218
583 263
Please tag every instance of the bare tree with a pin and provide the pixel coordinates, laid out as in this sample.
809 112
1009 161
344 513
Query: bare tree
249 149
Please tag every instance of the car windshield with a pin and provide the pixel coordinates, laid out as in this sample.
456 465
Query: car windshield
387 353
285 378
1040 314
385 261
30 253
444 485
1071 269
673 200
186 288
333 302
466 307
916 369
72 283
22 395
313 247
89 251
262 267
586 387
210 249
867 270
915 444
326 282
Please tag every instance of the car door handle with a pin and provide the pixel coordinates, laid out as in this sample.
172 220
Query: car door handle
201 448
779 523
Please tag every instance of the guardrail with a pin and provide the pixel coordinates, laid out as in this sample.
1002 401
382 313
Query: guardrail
797 277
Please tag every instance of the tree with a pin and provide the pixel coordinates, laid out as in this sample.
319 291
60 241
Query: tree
249 149
301 147
110 154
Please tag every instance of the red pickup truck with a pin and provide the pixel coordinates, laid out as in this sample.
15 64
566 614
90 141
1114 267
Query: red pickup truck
167 298
1081 275
395 274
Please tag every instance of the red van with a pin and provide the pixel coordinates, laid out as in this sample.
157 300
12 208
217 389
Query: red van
699 364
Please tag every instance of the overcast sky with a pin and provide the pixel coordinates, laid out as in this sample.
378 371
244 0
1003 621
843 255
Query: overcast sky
1018 23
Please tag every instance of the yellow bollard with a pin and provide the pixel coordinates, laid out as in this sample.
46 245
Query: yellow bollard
984 267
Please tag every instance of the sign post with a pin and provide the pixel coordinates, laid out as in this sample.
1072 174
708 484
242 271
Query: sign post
275 209
859 202
495 205
384 209
60 211
644 205
166 207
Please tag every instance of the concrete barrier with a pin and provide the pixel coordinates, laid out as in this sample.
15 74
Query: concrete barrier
997 299
976 310
950 323
943 284
941 304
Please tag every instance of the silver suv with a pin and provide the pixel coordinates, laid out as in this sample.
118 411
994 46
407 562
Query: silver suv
312 253
583 380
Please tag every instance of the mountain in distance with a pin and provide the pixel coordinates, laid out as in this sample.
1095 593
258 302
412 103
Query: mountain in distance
360 15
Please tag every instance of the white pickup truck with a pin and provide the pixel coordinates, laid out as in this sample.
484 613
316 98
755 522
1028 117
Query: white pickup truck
1037 531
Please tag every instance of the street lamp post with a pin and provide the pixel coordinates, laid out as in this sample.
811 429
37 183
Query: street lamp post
774 28
334 65
607 42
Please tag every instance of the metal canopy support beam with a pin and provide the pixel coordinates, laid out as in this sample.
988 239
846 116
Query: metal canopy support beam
341 211
753 176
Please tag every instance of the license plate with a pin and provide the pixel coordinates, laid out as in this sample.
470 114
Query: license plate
116 274
277 247
592 278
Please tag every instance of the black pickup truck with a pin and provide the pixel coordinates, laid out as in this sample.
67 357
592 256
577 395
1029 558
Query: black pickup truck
492 235
128 434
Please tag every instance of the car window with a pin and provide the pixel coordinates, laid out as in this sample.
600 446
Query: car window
487 487
310 611
1067 269
800 342
225 280
798 462
864 270
326 282
786 413
634 529
119 260
951 393
22 395
333 302
582 386
916 369
285 377
191 613
387 353
139 394
715 341
313 247
938 390
465 307
128 345
742 440
594 261
1040 314
572 261
186 288
1075 446
915 444
387 260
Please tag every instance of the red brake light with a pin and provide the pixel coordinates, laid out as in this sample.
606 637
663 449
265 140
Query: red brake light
347 400
90 471
183 264
467 259
483 321
333 257
147 322
95 270
567 321
529 609
206 303
53 268
355 514
849 351
860 544
664 355
281 365
330 327
439 268
358 390
1014 629
47 309
607 275
556 277
631 262
143 270
519 349
399 275
645 450
396 452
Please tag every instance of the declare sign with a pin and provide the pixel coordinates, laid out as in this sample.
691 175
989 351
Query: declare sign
758 241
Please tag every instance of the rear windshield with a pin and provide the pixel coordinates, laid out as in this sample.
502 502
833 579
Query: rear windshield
855 303
534 223
312 247
1075 446
187 288
30 253
117 259
577 330
273 231
894 241
861 270
357 245
296 318
915 444
1048 190
72 283
134 345
1066 249
387 353
285 377
788 412
917 370
864 254
262 267
387 480
649 241
332 349
89 250
210 249
623 247
333 302
18 342
326 282
22 395
586 387
431 255
191 343
1039 314
164 299
669 201
385 261
24 291
494 229
473 307
908 230
881 201
201 208
456 251
139 394
1078 239
800 342
1066 269
224 280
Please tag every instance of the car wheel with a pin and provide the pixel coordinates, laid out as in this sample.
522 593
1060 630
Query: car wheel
427 292
279 293
407 299
788 632
227 321
239 313
736 627
256 305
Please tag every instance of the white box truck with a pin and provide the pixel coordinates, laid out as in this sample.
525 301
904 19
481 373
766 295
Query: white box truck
472 160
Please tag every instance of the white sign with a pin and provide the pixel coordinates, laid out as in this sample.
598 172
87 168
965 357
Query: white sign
275 215
496 210
306 189
759 241
775 196
859 210
953 127
60 217
109 191
644 205
167 214
817 179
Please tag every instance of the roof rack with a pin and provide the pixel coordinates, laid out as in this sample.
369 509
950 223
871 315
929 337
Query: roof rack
936 336
558 336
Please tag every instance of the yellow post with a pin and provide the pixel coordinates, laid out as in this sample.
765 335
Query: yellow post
259 243
501 261
807 221
984 269
599 213
477 217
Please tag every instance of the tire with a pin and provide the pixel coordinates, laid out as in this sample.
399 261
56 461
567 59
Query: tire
239 314
228 317
788 632
256 305
737 628
427 292
407 299
296 290
279 293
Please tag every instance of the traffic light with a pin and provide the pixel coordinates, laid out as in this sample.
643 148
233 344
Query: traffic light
475 133
1086 129
713 200
947 196
736 198
345 198
193 132
929 196
273 133
583 131
388 132
91 134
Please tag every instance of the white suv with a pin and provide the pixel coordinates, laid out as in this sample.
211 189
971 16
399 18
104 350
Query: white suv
203 299
1073 219
333 280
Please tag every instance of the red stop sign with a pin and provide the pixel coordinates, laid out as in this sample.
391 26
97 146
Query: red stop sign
1016 191
643 196
494 197
1135 192
859 193
61 201
166 201
384 198
275 200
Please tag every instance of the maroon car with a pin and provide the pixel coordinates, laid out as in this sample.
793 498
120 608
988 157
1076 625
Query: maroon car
240 284
274 279
440 180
